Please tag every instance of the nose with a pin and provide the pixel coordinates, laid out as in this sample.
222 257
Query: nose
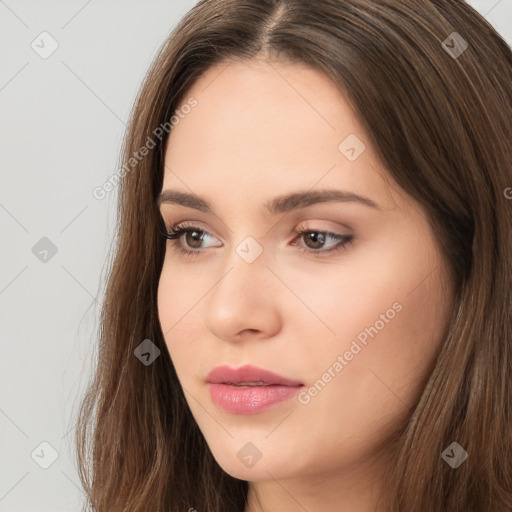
244 301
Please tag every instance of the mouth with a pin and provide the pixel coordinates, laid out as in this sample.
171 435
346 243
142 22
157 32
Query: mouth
249 376
249 389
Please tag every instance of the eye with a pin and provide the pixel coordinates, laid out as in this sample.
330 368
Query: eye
320 237
194 236
197 235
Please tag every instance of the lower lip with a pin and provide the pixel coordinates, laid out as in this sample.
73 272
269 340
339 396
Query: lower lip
250 400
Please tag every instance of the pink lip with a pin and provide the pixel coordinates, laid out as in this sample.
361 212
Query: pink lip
249 399
248 373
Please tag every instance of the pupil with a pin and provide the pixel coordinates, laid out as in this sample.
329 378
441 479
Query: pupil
317 238
196 237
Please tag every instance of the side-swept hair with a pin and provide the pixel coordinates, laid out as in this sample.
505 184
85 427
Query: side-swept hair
441 124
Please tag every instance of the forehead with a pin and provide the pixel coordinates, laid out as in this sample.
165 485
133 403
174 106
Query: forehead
263 128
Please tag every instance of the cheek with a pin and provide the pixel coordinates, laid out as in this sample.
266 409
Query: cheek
179 292
389 324
175 301
388 298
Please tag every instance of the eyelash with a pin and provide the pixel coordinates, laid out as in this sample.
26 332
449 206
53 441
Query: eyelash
178 231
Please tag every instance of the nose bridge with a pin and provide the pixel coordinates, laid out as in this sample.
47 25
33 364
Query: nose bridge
245 267
241 299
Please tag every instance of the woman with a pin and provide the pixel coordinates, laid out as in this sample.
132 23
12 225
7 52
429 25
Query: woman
310 303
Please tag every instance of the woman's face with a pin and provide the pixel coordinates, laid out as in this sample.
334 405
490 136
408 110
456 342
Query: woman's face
358 321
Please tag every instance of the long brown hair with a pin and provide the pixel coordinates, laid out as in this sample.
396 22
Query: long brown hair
440 120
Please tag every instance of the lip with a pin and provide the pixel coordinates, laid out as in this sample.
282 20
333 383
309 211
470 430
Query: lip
248 373
239 399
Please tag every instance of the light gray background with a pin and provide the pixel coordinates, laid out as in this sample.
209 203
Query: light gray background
62 120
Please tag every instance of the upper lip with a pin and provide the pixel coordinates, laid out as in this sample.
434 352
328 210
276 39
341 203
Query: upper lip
248 373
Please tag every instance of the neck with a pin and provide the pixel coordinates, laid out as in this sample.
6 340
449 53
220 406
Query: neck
349 490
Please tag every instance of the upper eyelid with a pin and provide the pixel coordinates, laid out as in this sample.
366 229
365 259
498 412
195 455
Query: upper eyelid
186 226
198 224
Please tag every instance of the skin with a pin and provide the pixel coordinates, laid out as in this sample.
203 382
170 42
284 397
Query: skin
261 130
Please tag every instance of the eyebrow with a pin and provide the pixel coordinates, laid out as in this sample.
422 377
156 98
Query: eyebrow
280 204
